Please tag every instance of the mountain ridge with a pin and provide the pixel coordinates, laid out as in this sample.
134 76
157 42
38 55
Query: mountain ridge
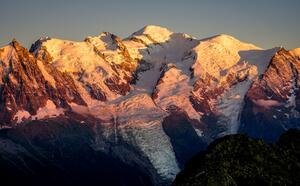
137 88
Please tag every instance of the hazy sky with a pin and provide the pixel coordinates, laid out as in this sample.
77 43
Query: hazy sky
266 23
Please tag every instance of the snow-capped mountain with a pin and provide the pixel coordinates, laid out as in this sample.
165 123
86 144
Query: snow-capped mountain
151 100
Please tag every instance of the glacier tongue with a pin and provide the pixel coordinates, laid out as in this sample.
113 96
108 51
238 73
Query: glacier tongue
156 145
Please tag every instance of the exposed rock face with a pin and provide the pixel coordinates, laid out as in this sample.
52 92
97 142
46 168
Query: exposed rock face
115 52
39 51
27 84
272 103
185 140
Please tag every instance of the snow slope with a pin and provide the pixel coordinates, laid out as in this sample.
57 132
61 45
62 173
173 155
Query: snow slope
230 66
162 48
295 52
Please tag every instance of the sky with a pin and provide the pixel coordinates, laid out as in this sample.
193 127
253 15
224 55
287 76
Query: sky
265 23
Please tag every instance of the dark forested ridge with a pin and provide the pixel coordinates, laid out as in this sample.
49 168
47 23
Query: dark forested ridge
240 160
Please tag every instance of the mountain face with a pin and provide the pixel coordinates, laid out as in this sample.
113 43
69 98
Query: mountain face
149 101
31 89
272 104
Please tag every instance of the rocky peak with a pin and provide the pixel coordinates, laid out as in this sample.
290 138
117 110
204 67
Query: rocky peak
101 65
273 101
112 49
38 44
15 43
106 40
28 84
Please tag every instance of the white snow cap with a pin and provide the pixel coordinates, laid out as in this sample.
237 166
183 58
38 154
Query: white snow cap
157 33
